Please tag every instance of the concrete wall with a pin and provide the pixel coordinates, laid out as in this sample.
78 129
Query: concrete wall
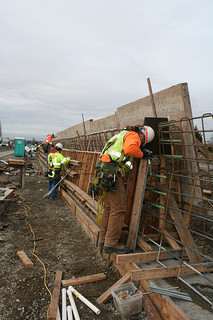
173 101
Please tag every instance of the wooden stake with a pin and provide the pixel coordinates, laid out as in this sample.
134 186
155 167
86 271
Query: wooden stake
152 98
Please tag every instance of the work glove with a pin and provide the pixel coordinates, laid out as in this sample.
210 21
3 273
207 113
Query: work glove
147 153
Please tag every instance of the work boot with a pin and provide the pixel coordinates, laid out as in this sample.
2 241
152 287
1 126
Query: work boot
117 249
101 245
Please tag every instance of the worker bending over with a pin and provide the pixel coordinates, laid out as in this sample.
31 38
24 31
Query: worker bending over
116 160
56 162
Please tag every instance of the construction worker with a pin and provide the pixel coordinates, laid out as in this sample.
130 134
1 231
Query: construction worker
56 162
48 144
116 160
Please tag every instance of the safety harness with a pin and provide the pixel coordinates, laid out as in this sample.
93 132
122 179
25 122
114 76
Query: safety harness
106 172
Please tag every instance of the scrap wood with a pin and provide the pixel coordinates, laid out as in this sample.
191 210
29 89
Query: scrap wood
24 258
52 315
86 279
107 294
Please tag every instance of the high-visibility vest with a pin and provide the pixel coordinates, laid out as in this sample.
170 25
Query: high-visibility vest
114 149
56 161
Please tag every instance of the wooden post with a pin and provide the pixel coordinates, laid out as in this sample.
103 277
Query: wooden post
137 204
152 98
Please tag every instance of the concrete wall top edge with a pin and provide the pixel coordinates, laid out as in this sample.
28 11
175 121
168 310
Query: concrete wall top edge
173 102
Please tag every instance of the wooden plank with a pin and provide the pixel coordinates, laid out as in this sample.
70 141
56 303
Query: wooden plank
130 190
25 260
141 257
107 294
144 245
55 297
166 272
75 162
86 279
69 201
149 307
156 236
203 149
178 219
18 162
173 244
138 202
91 229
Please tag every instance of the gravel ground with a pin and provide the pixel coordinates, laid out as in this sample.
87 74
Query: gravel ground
62 245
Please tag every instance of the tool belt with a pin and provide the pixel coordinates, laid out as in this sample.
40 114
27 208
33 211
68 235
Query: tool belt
105 178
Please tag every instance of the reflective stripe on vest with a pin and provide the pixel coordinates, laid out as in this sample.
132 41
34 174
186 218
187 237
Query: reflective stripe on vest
115 150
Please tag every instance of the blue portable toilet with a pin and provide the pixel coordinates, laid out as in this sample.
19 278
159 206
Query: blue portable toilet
19 147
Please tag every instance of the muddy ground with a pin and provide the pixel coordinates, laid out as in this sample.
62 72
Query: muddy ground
62 245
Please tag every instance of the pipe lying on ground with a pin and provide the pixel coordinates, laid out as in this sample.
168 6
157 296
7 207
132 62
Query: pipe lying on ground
64 304
84 300
73 305
69 312
58 316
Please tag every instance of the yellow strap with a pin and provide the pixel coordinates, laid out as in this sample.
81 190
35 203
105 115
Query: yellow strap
101 197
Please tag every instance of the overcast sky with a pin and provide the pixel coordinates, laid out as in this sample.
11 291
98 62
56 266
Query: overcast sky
62 58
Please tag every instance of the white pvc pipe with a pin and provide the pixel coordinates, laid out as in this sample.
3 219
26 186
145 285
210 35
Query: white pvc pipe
69 313
58 316
73 305
64 304
84 300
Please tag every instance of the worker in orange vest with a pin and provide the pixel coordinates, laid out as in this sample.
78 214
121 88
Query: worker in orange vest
48 144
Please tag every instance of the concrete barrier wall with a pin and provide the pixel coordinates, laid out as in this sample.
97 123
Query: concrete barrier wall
173 102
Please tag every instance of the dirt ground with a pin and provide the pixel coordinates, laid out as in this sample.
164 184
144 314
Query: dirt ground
61 245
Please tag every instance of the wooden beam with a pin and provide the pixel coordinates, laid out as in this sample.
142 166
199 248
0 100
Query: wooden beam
107 294
152 98
91 229
203 149
166 272
86 279
178 219
141 257
137 204
149 307
75 162
144 245
24 258
168 237
52 315
147 256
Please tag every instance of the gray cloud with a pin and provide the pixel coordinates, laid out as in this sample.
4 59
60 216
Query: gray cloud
61 59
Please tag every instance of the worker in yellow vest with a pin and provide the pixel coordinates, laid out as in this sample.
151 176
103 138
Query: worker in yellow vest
56 162
116 160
